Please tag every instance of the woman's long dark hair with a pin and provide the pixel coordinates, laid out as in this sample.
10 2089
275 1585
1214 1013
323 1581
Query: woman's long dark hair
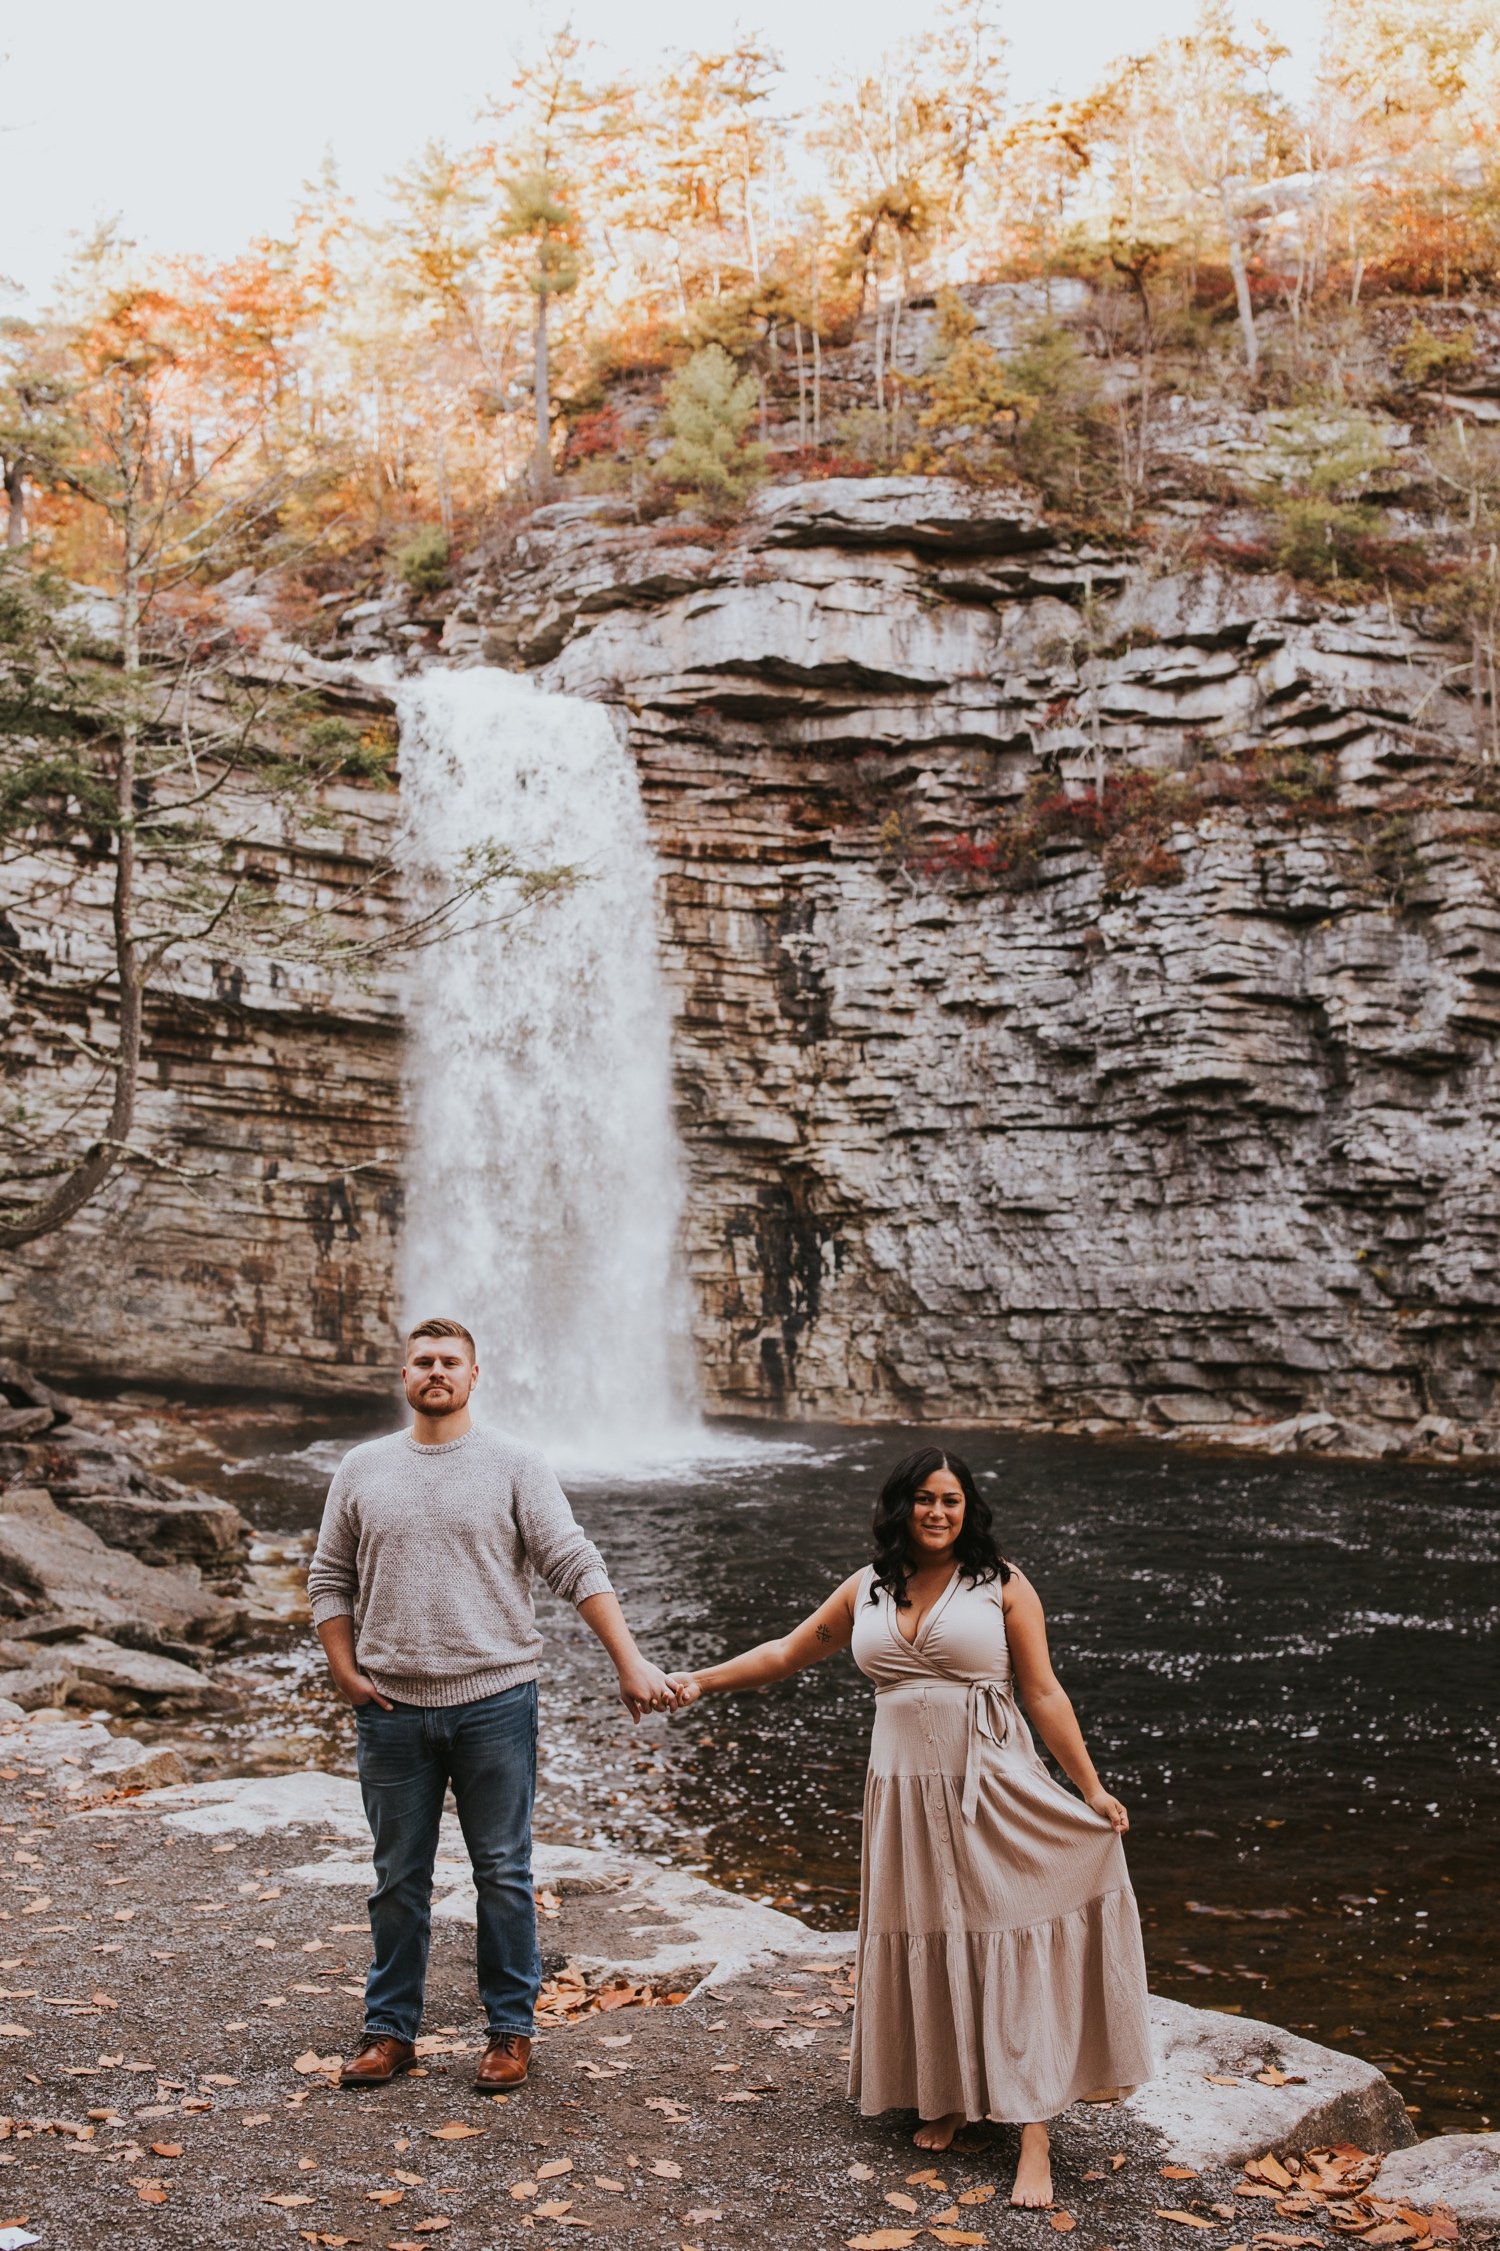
975 1550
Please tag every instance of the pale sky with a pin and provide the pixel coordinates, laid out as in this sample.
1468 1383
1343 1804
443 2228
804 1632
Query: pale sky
197 124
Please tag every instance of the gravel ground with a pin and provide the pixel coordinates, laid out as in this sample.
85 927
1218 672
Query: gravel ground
156 1989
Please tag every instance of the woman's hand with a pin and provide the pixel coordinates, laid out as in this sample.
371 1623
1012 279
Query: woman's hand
686 1687
1099 1801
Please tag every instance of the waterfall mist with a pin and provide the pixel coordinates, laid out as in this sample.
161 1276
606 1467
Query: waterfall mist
543 1189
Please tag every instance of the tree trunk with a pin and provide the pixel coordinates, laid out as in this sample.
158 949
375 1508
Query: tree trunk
541 391
15 494
801 388
1241 288
103 1159
817 359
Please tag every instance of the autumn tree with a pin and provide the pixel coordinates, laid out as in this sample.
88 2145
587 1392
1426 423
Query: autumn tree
1198 137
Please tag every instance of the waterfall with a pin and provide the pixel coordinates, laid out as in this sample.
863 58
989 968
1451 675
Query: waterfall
543 1188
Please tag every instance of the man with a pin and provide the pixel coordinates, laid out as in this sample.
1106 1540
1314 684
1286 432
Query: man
421 1595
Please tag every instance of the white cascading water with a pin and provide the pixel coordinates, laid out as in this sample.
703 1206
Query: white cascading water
543 1188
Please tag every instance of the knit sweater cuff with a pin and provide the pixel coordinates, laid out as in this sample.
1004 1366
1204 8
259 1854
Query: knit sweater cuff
326 1606
592 1582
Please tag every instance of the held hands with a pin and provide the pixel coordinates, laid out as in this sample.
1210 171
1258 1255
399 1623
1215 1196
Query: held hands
646 1688
1099 1801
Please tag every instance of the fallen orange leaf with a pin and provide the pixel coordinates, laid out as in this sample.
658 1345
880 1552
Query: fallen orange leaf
883 2239
1186 2219
1064 2222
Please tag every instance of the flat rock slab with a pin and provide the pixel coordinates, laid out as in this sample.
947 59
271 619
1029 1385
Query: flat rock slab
52 1563
1459 2170
898 511
1328 2096
648 1921
136 1672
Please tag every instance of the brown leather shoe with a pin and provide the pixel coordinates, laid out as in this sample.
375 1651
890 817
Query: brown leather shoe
378 2061
504 2063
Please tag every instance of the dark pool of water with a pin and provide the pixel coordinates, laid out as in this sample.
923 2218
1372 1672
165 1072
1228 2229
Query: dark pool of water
1283 1666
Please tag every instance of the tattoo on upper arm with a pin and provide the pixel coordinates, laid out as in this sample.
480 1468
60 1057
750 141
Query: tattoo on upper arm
824 1633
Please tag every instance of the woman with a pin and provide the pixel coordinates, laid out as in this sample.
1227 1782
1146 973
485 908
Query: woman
1000 1972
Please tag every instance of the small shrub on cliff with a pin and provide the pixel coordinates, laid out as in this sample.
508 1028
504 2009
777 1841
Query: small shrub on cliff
1065 443
1428 361
422 564
337 748
972 407
708 412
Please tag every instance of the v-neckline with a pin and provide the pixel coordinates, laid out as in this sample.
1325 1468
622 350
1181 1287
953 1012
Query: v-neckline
925 1627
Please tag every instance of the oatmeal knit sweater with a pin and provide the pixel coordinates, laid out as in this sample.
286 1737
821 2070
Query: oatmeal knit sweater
431 1551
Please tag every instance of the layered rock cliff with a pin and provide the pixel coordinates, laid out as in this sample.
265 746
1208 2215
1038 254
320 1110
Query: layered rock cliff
1181 1124
1059 1149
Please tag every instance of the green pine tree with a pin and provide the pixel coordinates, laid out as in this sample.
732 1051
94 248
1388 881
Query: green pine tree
709 409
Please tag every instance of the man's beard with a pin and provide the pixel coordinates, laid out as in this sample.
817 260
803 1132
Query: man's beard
443 1401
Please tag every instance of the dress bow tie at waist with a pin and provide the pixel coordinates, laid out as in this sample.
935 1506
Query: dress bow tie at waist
988 1721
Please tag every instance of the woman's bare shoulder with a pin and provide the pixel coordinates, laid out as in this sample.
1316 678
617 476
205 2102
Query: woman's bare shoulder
1018 1588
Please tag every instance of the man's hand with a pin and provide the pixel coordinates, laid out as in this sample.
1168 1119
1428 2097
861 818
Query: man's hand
357 1688
644 1688
337 1636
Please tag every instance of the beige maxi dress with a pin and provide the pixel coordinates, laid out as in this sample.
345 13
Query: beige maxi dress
1000 1970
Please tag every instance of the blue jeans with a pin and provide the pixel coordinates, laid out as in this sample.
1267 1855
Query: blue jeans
407 1758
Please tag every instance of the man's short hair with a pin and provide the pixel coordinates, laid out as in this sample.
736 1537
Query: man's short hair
442 1328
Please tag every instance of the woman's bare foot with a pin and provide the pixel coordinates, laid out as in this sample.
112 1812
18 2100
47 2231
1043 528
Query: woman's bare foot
937 2133
1033 2185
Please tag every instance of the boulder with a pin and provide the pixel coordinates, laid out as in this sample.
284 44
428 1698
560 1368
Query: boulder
20 1388
25 1422
54 1568
191 1529
1327 2096
37 1688
86 1762
1459 2170
83 1459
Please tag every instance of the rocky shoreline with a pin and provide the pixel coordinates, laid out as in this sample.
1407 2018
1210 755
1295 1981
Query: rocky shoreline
116 1583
